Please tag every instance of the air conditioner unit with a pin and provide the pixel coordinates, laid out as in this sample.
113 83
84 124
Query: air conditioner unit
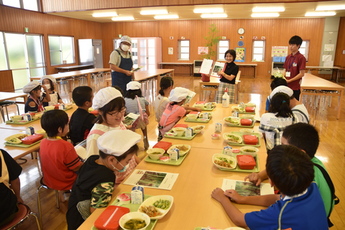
196 67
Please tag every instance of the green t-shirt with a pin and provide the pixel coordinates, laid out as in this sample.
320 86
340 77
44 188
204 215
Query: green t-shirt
323 186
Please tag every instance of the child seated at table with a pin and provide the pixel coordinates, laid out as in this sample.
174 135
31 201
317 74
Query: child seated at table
300 205
277 81
174 110
59 160
166 85
95 183
49 82
36 98
295 135
134 98
81 121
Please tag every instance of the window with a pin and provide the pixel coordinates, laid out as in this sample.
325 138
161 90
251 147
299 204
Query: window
183 47
304 49
23 4
61 49
258 50
23 54
223 46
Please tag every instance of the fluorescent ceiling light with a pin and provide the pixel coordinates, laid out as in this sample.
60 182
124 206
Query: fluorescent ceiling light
213 15
330 7
153 12
208 10
104 14
313 14
268 9
167 16
265 15
127 18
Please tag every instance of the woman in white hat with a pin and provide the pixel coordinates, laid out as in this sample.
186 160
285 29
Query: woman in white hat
96 179
121 64
49 82
111 107
36 97
133 98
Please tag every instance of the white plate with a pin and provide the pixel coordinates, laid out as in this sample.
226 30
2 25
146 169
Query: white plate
218 156
149 201
236 121
182 153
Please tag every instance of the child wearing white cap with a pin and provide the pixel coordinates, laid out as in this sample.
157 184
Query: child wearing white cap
49 82
174 111
111 107
96 179
36 97
133 97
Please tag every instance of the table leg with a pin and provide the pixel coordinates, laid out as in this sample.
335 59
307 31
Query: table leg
339 103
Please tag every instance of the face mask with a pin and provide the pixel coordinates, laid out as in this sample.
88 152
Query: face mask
125 47
47 86
121 170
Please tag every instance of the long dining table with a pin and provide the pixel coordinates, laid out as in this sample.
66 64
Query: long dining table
193 205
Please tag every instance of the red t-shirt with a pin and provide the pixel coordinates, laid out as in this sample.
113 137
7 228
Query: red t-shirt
293 64
58 159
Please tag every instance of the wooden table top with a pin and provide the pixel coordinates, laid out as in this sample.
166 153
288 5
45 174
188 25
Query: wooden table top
142 75
11 95
193 205
74 73
310 81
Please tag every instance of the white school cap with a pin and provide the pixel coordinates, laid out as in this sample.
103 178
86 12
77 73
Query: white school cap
282 89
133 85
48 77
178 94
30 86
117 142
104 96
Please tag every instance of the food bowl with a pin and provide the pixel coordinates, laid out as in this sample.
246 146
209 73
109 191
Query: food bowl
183 149
232 138
223 161
232 121
134 216
250 104
215 136
249 150
50 107
180 131
192 116
155 153
198 128
16 118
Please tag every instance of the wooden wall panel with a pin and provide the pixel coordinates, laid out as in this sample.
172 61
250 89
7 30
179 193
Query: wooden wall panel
276 31
339 55
74 5
14 20
6 80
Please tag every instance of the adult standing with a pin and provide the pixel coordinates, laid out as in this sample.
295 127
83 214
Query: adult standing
121 64
228 77
295 64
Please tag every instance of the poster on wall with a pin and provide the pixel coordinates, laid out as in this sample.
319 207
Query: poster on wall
279 51
240 54
202 50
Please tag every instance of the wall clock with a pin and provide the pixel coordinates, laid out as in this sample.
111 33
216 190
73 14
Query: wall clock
240 31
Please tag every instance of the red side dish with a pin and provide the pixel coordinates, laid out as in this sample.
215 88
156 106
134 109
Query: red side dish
250 109
109 219
250 139
32 139
246 122
245 162
163 145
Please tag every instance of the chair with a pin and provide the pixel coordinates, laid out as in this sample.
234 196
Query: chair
39 198
4 105
23 212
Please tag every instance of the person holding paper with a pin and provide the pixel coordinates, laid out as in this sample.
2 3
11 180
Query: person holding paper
121 64
228 77
295 64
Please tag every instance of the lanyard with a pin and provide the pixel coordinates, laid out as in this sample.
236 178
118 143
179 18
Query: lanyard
294 57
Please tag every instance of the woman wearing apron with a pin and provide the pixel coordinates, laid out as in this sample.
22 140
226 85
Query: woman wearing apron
121 64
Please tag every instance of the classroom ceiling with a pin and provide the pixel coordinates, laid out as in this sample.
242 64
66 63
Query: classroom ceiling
233 11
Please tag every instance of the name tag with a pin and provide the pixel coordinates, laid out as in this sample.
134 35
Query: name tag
287 74
294 64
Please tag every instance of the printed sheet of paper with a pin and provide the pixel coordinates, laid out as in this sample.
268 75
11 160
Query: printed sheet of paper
245 188
206 66
152 179
218 66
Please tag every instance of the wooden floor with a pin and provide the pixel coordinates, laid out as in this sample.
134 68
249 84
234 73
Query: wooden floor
331 152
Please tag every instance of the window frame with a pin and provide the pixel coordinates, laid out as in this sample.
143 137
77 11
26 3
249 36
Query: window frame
263 52
306 47
21 5
61 51
180 50
219 47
